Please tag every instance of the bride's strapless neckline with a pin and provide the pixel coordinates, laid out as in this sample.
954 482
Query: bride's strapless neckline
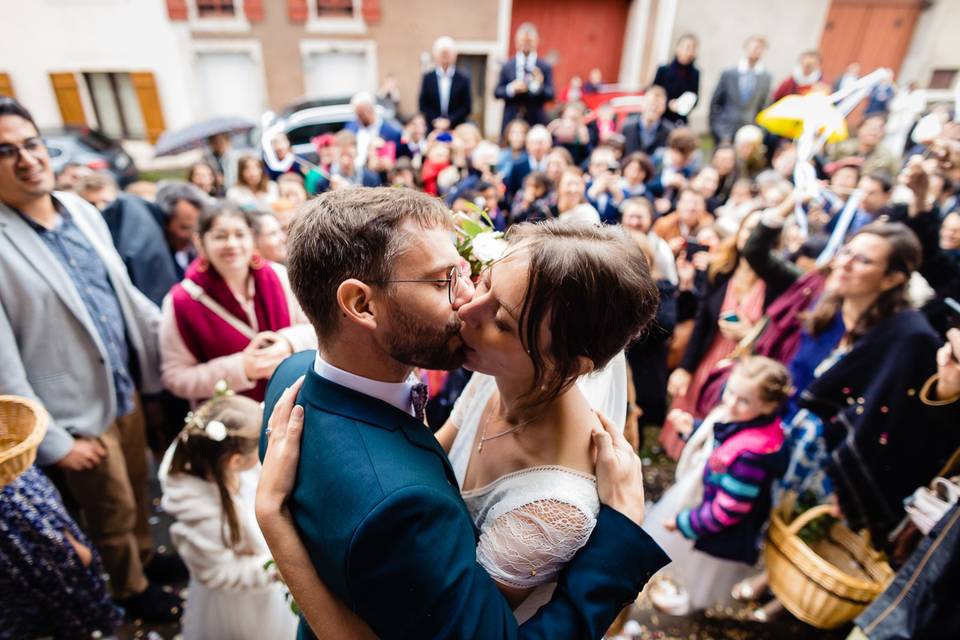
467 493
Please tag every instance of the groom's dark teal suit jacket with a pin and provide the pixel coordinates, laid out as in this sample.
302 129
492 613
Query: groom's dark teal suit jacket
377 506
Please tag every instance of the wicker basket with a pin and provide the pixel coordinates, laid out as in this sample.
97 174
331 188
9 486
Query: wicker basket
826 585
23 423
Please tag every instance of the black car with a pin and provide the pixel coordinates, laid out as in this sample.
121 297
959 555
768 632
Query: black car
92 149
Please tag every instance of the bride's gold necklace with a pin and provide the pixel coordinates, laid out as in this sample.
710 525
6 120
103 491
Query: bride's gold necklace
483 430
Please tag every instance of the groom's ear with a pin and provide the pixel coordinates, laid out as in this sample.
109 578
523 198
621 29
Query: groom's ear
355 300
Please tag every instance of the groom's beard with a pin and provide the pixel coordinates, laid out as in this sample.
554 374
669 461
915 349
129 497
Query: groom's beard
418 344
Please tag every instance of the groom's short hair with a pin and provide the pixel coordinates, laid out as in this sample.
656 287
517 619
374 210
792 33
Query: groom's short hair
352 233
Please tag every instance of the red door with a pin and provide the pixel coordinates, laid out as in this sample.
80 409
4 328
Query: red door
875 33
576 35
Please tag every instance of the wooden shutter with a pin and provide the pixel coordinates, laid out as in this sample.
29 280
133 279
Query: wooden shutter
6 86
370 10
177 9
254 10
146 87
297 11
68 98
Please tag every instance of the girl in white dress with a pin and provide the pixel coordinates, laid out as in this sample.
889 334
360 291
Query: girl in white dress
564 301
233 594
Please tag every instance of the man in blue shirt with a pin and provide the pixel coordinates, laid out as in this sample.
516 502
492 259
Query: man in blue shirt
77 336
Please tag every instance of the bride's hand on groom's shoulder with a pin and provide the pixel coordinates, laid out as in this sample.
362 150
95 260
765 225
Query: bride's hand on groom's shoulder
280 461
618 470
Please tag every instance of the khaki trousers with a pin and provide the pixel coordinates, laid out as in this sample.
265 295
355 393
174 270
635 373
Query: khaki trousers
114 506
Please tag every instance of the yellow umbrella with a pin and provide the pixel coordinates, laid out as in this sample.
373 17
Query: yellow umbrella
790 115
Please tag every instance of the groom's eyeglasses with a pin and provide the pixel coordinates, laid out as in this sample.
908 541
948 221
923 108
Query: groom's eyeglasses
454 282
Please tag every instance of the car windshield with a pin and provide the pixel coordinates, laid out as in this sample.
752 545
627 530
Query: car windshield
96 141
303 134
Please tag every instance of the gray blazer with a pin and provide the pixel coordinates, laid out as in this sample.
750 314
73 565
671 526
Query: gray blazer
49 347
728 112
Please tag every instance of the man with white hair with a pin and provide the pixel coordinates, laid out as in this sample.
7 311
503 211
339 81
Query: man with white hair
539 142
370 129
526 81
445 98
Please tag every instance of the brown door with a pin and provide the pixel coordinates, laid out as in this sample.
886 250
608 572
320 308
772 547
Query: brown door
6 85
145 85
580 35
875 33
68 99
476 66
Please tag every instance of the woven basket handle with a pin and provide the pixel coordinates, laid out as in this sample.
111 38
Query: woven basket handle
808 516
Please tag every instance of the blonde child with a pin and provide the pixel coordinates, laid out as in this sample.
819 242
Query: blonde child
232 594
710 521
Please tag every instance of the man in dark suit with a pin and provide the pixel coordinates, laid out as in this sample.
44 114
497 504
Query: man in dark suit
526 81
445 91
741 93
376 501
650 130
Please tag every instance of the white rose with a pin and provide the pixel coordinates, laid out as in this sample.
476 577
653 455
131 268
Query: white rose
489 246
216 430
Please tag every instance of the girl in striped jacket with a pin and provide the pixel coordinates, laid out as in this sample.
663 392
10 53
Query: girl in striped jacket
721 529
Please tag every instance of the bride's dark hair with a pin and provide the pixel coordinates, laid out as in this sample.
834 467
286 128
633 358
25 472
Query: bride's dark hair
592 286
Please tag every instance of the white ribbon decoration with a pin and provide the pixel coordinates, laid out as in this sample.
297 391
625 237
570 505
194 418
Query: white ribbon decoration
270 156
816 132
840 231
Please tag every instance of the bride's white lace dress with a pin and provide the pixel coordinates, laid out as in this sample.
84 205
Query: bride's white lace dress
531 521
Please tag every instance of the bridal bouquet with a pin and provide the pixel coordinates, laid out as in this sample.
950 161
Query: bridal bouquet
477 241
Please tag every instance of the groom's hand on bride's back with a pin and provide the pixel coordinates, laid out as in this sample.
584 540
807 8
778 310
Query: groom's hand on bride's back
619 471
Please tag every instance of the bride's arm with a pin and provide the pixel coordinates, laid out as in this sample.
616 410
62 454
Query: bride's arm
447 434
327 616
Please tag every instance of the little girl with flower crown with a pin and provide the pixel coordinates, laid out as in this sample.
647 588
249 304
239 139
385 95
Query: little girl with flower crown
232 593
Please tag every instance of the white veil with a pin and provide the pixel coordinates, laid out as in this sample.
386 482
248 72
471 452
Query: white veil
606 390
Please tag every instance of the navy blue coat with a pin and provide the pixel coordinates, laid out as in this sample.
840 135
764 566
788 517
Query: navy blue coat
140 241
882 440
379 510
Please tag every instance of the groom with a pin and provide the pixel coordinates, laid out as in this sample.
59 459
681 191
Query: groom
376 502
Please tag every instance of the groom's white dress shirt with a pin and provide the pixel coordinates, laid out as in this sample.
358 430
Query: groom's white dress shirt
394 393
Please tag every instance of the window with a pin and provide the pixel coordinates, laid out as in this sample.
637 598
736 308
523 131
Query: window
230 81
334 8
337 69
942 78
116 105
215 8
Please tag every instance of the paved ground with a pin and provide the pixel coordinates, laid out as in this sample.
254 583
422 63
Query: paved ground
727 623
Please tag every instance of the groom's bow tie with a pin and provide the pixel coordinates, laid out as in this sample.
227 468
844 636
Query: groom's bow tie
418 398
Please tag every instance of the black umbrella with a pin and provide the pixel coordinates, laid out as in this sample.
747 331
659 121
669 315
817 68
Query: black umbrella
195 136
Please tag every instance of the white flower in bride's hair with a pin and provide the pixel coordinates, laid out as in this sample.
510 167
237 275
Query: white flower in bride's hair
216 430
489 246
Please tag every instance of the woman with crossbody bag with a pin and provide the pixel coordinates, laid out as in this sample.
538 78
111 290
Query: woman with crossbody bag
233 317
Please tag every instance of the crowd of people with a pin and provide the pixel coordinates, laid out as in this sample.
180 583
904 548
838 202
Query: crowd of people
783 372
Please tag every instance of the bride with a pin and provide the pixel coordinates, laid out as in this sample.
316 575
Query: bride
562 302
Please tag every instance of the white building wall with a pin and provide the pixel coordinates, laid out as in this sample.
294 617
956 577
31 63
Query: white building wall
935 45
43 36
